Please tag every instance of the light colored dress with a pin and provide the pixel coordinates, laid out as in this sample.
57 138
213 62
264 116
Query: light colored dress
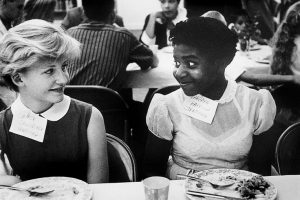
225 143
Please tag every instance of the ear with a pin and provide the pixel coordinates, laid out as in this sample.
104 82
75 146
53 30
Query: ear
17 80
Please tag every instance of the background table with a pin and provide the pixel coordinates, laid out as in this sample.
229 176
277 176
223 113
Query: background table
288 189
163 76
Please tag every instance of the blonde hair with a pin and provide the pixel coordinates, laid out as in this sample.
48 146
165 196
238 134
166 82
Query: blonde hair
32 41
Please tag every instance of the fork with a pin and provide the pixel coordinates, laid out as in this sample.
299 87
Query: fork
31 192
214 185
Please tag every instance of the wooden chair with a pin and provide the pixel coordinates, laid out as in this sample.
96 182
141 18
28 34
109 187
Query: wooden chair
287 152
112 106
121 161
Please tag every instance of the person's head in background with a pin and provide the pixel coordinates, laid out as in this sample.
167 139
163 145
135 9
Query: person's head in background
169 8
286 49
39 9
99 10
215 15
239 21
10 10
203 47
33 60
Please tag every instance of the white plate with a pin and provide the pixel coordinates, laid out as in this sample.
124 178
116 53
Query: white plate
223 176
65 188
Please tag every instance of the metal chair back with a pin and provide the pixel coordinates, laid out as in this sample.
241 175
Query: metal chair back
121 161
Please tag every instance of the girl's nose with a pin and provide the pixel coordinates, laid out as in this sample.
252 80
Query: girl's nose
179 72
62 77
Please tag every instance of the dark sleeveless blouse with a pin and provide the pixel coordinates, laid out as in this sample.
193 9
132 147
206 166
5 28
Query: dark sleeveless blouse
64 151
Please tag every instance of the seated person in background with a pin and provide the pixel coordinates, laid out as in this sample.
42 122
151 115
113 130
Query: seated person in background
263 12
209 122
244 26
44 132
157 25
39 9
75 16
106 49
9 12
241 74
286 61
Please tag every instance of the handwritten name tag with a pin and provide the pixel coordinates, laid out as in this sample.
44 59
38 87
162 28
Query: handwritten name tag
29 125
201 108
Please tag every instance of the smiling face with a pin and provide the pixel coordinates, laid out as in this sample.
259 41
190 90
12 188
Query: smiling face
192 71
169 8
43 84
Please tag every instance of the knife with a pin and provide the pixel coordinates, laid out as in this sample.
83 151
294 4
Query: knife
206 194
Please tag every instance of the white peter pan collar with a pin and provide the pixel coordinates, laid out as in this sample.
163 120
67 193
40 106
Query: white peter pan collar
227 96
55 113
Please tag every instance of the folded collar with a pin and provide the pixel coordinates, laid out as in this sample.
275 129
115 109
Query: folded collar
181 16
228 94
55 113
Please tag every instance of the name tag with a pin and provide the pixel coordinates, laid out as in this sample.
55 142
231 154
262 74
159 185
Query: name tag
200 107
29 125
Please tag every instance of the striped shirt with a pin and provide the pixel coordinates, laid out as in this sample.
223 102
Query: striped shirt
106 52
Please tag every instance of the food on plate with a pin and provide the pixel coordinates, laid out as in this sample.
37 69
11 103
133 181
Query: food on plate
65 188
246 185
249 188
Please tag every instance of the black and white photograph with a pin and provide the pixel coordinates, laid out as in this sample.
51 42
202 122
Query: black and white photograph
149 100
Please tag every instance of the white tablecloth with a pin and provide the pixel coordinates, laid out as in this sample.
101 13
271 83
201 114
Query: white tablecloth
288 189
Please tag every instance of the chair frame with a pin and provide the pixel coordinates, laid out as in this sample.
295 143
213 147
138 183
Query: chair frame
123 106
110 138
284 135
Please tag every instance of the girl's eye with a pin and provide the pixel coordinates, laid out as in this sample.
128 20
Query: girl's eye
49 71
191 64
177 64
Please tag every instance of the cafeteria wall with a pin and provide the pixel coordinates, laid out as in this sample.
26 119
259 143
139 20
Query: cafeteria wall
134 12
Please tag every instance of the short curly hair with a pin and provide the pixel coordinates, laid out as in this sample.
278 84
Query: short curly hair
209 36
283 41
31 41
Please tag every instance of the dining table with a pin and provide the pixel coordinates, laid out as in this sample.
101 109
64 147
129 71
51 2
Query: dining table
288 188
255 60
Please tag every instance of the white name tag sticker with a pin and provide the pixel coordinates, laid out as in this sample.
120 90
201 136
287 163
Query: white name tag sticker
29 125
201 108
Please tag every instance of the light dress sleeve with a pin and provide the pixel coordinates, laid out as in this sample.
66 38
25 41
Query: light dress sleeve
265 113
158 119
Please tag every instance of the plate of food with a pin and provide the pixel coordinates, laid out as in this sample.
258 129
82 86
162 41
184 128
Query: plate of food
239 184
65 188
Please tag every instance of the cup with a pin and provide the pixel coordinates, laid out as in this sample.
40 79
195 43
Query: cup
156 188
154 48
244 45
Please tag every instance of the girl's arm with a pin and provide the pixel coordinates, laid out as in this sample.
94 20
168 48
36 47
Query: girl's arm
97 171
151 23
